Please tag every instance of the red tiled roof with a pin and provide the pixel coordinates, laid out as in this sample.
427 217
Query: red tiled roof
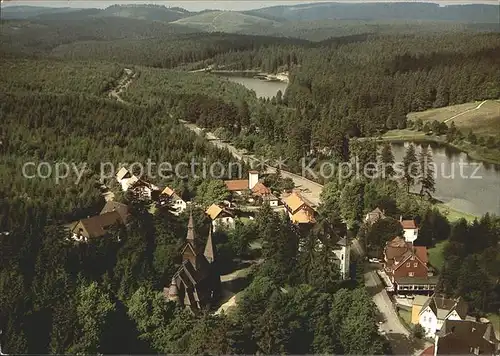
260 189
236 185
421 252
408 224
396 248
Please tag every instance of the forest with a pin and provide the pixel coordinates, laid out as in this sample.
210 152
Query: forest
105 296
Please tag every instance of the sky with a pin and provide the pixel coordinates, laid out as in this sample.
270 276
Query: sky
196 5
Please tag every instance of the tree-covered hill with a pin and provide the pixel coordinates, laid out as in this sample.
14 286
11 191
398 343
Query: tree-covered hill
478 13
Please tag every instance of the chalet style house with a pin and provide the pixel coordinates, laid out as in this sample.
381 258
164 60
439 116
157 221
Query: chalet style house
169 196
140 188
220 216
112 214
432 312
196 283
299 209
407 266
464 337
373 216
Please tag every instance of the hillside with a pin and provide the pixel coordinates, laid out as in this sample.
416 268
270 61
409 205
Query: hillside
383 11
139 12
225 21
146 12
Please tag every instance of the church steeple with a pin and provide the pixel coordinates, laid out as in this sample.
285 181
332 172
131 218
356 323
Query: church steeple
209 247
190 232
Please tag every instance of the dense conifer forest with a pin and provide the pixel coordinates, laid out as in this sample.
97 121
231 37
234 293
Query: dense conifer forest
57 296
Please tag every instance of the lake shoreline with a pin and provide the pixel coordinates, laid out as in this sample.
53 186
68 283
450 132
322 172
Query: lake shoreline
248 73
422 138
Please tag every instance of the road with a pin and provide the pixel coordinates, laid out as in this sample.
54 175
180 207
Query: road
465 112
397 334
310 190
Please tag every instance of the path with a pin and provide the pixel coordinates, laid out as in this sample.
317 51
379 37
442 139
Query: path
215 19
465 112
123 84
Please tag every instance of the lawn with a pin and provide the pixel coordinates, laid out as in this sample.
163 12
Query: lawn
454 215
436 257
405 316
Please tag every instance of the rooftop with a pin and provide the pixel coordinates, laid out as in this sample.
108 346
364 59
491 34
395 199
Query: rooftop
236 185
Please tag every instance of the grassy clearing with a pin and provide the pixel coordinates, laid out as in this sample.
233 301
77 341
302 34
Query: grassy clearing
483 121
436 257
454 215
405 134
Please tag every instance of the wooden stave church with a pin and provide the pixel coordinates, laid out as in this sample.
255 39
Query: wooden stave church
196 284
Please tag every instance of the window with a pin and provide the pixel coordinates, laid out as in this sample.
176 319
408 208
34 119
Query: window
412 258
415 264
408 264
415 232
410 274
425 319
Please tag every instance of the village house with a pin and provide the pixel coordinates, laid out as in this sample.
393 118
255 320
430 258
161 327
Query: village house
260 191
169 196
112 214
407 266
120 208
299 210
464 337
342 252
95 226
375 215
432 312
410 229
196 283
220 216
241 186
143 190
125 178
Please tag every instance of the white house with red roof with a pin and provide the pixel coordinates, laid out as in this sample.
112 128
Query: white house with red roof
410 229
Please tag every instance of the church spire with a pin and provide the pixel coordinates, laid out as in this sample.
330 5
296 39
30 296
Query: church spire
209 247
190 233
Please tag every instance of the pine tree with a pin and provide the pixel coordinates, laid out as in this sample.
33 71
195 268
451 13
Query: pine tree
386 161
426 179
410 166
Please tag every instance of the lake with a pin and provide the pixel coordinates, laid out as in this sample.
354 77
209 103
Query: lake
262 88
476 191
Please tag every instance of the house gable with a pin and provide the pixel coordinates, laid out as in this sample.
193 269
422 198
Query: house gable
411 266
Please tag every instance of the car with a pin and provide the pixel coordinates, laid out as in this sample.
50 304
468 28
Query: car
373 260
